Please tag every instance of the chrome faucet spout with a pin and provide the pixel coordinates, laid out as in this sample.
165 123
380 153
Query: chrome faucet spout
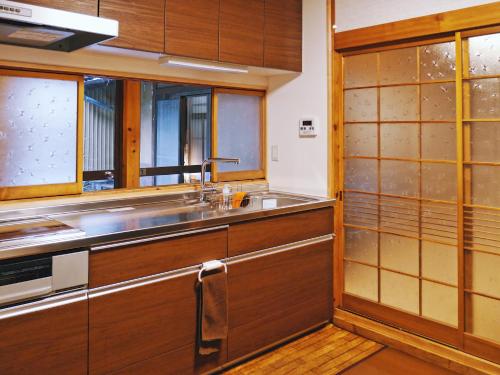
203 187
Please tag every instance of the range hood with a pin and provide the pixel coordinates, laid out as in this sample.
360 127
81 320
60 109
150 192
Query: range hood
39 27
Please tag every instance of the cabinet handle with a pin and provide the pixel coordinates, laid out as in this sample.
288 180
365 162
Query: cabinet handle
210 266
280 249
44 304
156 238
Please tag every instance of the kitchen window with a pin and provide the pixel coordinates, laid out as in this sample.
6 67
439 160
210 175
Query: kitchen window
102 133
40 133
175 132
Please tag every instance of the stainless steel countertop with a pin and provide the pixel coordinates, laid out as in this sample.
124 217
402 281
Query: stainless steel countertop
111 221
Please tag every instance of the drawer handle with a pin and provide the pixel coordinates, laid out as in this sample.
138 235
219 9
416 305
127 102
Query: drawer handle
210 266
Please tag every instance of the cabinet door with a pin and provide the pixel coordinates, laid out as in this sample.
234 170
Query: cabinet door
283 35
192 28
142 25
275 296
242 32
45 338
142 328
79 6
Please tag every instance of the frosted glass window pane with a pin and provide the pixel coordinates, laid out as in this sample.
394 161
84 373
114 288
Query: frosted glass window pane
440 302
38 131
484 52
399 103
485 98
399 177
360 174
485 141
439 262
398 66
439 181
360 139
361 245
439 141
361 280
399 140
399 291
486 185
360 105
239 131
360 70
485 270
399 253
438 101
437 62
485 317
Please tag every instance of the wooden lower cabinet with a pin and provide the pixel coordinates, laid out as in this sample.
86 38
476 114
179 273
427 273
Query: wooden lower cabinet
275 296
52 340
148 329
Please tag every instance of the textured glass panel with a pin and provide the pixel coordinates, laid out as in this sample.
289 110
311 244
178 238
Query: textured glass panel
439 181
485 317
399 103
360 105
485 98
439 141
437 62
238 131
484 55
438 101
399 291
486 185
440 302
361 245
485 141
485 270
360 140
439 262
398 66
399 177
361 280
399 140
360 174
360 70
399 253
147 128
99 125
38 131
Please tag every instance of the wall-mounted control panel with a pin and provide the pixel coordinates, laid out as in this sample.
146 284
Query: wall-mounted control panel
308 127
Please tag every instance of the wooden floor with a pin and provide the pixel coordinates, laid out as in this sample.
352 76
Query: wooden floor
393 362
327 351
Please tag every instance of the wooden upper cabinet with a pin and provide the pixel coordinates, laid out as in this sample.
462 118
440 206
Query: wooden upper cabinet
283 35
79 6
192 28
241 33
142 23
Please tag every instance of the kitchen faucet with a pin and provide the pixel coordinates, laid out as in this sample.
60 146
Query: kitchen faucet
205 189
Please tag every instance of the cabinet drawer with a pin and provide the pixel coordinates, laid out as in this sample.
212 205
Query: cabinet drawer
47 340
148 328
157 256
272 297
265 233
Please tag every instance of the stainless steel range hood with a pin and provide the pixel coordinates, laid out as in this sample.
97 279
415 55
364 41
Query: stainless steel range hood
40 27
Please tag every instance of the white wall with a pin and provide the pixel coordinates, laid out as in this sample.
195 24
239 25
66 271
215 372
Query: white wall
302 165
354 14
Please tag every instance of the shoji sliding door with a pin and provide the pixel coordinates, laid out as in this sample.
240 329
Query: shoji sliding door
421 187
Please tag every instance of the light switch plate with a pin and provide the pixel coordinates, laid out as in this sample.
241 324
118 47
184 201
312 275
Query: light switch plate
274 153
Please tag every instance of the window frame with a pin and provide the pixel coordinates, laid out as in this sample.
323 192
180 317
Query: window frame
50 190
239 175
